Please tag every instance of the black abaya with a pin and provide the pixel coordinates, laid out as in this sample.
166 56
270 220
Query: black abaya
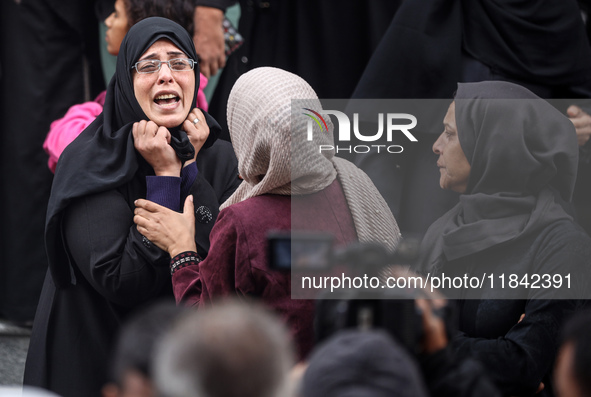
101 267
49 56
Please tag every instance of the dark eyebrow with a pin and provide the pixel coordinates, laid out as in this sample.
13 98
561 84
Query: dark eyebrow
176 53
149 56
155 55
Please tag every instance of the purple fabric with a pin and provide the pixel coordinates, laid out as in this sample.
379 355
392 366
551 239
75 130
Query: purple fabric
164 190
237 260
188 176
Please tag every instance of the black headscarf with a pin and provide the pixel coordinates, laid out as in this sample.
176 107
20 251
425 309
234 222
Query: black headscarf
103 156
362 363
523 156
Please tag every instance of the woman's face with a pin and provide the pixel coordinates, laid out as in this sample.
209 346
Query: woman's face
117 27
165 96
453 164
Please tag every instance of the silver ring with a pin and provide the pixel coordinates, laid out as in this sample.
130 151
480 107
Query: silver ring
195 121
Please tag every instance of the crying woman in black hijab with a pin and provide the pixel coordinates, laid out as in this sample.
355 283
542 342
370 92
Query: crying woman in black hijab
519 261
149 142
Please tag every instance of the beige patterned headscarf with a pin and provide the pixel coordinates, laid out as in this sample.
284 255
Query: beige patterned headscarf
269 136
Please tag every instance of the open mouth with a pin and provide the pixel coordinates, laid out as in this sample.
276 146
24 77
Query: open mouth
166 99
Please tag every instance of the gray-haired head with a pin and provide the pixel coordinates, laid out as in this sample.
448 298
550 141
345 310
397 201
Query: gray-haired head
229 350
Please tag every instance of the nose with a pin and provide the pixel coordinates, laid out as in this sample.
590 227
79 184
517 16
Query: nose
165 74
109 19
437 146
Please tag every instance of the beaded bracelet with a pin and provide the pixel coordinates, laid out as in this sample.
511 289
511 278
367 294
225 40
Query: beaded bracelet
184 259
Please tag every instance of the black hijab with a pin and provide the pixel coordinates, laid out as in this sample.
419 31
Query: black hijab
523 156
362 363
103 156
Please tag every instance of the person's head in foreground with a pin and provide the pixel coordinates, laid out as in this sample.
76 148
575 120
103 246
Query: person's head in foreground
230 349
131 363
362 363
572 373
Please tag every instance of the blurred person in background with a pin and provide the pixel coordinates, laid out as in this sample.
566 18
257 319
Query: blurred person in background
365 363
208 36
414 358
131 362
230 349
572 372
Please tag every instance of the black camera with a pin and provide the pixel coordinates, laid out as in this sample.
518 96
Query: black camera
314 251
307 251
392 309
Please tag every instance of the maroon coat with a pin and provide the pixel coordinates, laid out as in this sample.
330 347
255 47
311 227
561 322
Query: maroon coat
237 259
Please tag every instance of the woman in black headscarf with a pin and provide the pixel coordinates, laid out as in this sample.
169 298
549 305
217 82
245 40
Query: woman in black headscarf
143 145
513 157
434 44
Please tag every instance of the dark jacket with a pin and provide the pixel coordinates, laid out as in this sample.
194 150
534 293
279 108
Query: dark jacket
116 271
445 375
518 355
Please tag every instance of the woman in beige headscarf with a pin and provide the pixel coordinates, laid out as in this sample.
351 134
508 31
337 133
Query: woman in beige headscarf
288 184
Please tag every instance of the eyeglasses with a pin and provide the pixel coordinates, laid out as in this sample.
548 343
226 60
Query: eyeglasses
153 65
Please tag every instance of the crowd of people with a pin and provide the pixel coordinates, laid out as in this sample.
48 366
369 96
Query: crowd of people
153 276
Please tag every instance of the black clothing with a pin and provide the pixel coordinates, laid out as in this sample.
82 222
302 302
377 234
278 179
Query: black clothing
103 8
511 223
115 271
448 376
519 45
221 4
327 43
433 44
109 138
366 363
517 355
101 267
523 162
49 58
507 116
421 53
420 57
